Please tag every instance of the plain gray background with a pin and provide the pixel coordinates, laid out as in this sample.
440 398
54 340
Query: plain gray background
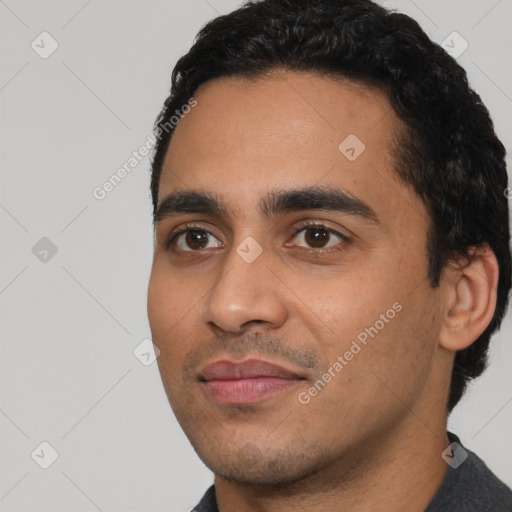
71 322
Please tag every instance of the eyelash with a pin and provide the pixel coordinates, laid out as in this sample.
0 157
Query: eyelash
303 226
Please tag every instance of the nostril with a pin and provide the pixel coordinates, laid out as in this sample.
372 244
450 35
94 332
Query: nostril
256 322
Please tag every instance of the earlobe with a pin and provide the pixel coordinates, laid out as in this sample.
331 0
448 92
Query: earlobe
471 299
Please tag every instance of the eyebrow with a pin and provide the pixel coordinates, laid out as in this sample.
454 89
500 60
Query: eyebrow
273 204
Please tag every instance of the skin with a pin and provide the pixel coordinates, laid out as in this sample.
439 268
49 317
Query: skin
372 438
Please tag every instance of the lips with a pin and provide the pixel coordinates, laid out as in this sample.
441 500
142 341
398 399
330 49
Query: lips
246 381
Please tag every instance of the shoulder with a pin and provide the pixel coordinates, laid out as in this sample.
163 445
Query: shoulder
471 487
208 502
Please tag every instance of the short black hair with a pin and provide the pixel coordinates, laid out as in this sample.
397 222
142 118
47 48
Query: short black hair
448 152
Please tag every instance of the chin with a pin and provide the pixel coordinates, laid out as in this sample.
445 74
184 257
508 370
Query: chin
275 468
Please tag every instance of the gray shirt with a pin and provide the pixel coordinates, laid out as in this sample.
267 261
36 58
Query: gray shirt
470 487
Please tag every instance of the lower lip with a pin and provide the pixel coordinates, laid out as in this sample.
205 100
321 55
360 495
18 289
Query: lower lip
247 390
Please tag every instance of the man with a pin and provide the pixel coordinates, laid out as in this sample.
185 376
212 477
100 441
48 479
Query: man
332 255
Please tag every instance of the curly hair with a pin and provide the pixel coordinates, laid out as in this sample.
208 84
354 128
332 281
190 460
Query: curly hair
448 152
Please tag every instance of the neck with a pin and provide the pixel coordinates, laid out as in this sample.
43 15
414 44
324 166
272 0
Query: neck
400 470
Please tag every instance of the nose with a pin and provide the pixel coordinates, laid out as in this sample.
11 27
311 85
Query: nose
245 294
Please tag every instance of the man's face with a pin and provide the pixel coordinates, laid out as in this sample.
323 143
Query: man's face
253 281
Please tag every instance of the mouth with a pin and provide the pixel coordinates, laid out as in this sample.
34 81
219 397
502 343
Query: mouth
247 381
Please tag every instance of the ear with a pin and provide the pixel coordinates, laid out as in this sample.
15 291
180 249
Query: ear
470 298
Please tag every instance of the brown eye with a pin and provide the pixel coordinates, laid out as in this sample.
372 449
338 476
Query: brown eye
196 239
193 239
318 236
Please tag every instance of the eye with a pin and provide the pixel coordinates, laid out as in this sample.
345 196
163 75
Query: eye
192 239
318 236
313 237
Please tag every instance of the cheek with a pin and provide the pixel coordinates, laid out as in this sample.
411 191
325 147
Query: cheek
169 297
346 303
381 375
170 307
380 322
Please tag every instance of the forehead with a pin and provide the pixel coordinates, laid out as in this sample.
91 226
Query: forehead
247 137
